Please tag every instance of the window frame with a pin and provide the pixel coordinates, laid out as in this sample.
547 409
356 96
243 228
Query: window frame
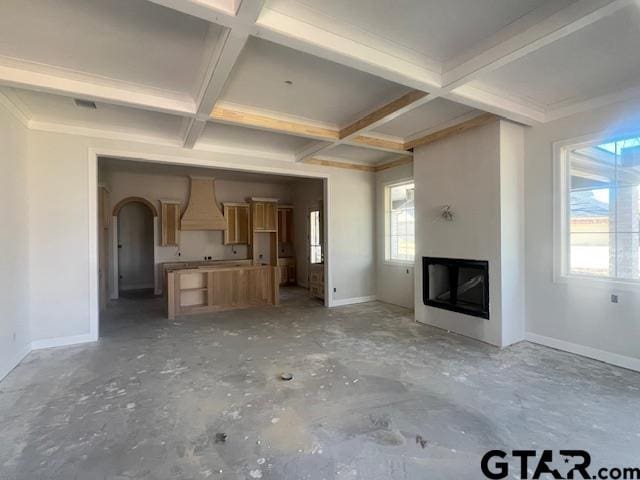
312 245
387 222
562 218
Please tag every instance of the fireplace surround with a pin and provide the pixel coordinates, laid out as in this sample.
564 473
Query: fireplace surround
456 284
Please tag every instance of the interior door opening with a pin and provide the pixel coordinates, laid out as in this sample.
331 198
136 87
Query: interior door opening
135 249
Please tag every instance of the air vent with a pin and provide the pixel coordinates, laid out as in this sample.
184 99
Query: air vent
85 103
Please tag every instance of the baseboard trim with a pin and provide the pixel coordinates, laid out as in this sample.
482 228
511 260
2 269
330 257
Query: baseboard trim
15 361
353 300
62 341
601 355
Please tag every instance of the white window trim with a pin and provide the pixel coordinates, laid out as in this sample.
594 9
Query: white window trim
561 227
387 228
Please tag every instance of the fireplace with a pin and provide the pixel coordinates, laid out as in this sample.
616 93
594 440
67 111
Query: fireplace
456 284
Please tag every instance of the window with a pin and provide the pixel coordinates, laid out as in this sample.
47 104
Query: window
601 218
400 223
315 237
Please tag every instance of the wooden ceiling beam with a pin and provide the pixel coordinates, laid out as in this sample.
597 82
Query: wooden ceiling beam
384 114
377 143
274 124
223 52
482 119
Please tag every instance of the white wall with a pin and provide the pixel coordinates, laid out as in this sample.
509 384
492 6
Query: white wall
351 234
574 316
394 283
478 173
59 223
14 241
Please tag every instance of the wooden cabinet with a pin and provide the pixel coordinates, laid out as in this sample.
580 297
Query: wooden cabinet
237 217
212 289
287 268
170 220
316 280
285 225
264 216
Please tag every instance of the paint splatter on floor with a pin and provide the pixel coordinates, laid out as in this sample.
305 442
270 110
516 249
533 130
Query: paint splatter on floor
374 396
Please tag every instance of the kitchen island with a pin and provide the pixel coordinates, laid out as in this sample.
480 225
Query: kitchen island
212 288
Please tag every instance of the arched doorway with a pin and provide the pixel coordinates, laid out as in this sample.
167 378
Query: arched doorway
135 245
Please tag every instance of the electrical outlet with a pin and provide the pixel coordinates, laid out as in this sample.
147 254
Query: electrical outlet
614 298
335 289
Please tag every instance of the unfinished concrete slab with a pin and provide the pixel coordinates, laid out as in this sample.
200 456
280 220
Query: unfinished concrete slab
373 396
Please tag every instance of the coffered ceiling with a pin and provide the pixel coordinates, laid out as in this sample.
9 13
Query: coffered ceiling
362 81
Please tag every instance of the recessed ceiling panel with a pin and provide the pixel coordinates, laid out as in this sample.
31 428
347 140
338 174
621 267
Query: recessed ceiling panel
350 153
130 40
233 137
437 29
279 79
63 110
599 59
425 117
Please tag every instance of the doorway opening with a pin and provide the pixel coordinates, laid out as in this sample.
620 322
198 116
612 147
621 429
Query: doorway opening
135 241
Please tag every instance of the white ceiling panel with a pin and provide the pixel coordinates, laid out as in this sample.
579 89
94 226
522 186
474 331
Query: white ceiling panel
128 40
350 153
437 29
45 107
321 90
599 59
425 117
240 138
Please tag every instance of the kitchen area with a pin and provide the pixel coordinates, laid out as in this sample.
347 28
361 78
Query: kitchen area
207 240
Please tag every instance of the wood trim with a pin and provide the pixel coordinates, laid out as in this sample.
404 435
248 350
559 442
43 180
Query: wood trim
385 113
482 119
127 200
346 165
257 120
395 163
378 143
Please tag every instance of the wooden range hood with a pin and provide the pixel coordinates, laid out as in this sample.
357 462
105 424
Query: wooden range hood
202 212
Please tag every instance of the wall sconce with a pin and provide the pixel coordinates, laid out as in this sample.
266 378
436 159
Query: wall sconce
447 213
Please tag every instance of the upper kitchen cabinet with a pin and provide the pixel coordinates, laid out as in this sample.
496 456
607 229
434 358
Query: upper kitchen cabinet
170 223
237 218
285 224
264 214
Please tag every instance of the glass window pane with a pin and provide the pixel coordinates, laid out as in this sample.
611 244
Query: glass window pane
400 237
626 208
590 211
626 256
590 254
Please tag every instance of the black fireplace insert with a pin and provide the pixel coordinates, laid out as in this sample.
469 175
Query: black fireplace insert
456 284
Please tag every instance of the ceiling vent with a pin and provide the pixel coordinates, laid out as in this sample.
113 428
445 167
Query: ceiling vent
85 103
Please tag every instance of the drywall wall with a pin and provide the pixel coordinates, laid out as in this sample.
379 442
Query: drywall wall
512 239
394 282
479 174
14 242
59 224
577 316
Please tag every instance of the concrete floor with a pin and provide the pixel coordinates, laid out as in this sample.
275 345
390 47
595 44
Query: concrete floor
147 401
